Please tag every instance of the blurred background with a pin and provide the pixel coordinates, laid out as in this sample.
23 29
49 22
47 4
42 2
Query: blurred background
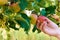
18 23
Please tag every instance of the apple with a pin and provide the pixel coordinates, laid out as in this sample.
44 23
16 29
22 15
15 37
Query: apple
33 18
15 7
3 2
40 20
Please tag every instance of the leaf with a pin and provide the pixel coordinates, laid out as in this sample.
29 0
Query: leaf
12 24
50 10
13 1
24 21
29 6
23 25
23 4
7 11
25 17
38 0
41 3
16 0
1 16
43 12
37 8
35 28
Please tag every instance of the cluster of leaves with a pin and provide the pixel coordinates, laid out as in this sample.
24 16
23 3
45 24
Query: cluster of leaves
13 10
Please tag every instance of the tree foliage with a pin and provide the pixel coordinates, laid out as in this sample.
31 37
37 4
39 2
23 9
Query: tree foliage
12 12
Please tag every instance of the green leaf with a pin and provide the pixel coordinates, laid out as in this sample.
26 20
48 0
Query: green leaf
43 12
41 3
23 25
24 21
13 0
23 4
38 0
29 6
25 17
7 11
12 24
50 10
35 28
1 16
37 8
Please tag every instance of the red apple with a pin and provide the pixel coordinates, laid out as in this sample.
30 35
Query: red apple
40 20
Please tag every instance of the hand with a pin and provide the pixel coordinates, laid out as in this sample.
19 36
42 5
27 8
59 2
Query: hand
48 27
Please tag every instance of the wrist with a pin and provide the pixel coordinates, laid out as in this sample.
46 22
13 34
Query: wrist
58 34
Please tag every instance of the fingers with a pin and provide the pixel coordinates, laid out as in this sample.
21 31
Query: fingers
51 24
45 28
44 24
38 24
48 20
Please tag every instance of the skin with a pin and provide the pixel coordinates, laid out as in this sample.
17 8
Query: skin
49 28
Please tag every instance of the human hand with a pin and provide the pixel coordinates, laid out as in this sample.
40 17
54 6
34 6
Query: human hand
47 26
